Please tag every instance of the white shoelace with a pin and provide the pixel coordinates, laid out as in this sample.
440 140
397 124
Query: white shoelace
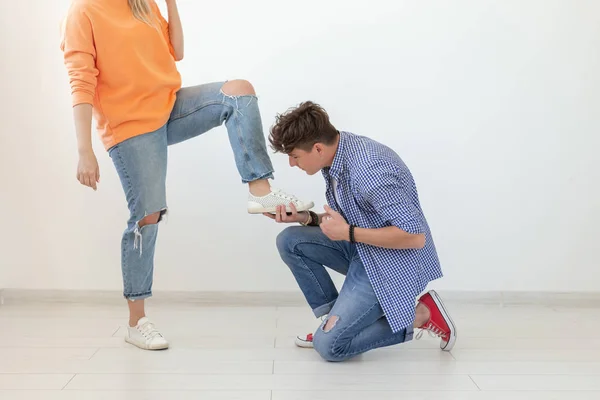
148 331
433 331
283 195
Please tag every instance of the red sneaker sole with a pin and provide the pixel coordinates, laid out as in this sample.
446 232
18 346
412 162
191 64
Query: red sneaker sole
440 304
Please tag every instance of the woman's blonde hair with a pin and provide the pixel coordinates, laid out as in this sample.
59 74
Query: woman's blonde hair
142 11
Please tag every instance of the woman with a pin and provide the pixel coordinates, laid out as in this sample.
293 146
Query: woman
120 56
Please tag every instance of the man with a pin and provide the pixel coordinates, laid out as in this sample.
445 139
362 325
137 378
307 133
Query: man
373 231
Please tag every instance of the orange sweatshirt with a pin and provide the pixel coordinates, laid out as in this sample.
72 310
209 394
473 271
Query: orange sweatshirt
122 66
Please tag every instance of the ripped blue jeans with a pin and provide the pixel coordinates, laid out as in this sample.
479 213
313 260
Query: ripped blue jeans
141 164
361 325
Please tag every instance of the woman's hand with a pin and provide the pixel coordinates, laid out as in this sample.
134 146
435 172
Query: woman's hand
88 172
281 216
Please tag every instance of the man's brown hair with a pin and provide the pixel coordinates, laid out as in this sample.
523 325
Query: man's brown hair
301 128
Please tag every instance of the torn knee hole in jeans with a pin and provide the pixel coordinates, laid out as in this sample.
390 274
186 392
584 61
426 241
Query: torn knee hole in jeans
250 97
149 219
330 324
237 97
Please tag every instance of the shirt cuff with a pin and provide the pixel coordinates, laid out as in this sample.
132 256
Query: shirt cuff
82 98
414 226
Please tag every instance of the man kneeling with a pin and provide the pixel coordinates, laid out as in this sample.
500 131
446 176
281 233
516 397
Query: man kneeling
373 232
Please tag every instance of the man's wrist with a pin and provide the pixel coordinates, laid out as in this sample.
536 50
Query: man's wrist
316 218
351 233
312 220
308 219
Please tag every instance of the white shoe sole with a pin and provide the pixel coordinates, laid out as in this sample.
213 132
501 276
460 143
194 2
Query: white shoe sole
303 343
258 209
440 304
146 346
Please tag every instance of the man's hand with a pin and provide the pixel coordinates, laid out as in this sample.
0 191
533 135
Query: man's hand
281 215
334 226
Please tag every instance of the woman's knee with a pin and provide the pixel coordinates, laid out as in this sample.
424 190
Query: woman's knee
238 87
151 218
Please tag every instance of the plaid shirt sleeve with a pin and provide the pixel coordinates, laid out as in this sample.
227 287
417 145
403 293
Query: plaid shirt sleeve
387 190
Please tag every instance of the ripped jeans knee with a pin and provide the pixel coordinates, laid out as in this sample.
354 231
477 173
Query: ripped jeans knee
330 323
149 219
327 342
239 93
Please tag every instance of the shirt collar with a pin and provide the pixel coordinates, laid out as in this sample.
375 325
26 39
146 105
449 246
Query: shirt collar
339 159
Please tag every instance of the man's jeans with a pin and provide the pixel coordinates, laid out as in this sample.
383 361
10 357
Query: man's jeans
141 164
361 325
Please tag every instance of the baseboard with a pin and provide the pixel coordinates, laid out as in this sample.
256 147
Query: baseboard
516 298
207 299
288 299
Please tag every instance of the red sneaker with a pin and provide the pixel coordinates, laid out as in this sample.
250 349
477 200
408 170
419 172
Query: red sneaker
440 324
305 342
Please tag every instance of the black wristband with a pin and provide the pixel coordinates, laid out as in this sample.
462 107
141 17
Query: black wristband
314 218
352 239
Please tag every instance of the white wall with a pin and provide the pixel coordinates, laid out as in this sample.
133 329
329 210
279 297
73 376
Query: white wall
493 104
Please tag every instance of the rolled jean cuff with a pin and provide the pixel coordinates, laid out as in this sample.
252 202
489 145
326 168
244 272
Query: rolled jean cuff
137 296
266 175
324 309
410 333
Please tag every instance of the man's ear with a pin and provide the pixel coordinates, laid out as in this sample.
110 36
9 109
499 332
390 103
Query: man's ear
319 148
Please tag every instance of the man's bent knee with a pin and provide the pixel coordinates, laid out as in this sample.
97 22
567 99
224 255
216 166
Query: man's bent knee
286 238
325 346
238 87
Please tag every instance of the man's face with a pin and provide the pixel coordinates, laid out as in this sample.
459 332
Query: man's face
310 162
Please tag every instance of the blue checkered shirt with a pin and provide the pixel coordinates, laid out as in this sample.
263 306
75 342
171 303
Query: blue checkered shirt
376 189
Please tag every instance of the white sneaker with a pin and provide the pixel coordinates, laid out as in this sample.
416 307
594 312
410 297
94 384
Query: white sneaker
306 342
269 203
145 336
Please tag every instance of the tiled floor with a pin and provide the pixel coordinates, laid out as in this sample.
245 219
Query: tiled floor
61 352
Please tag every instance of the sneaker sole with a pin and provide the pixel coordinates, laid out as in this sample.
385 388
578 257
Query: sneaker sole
440 304
272 210
146 347
304 344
